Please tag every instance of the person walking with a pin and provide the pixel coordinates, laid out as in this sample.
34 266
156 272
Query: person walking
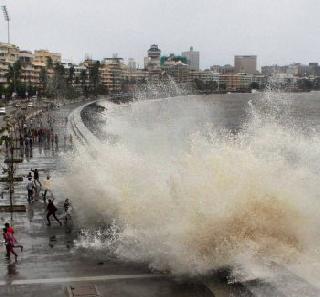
36 176
46 187
4 232
11 243
67 211
56 140
52 212
37 184
30 187
10 230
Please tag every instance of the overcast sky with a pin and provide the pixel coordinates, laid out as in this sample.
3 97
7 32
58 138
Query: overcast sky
278 31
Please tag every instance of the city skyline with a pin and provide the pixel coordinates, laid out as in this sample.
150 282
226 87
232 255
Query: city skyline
129 27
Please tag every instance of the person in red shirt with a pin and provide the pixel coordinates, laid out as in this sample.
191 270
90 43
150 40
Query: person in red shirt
10 240
9 228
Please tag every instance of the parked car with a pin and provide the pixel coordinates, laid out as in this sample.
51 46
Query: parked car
30 104
2 111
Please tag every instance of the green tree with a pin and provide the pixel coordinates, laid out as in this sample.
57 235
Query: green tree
21 89
71 75
222 86
43 78
49 63
211 86
13 75
57 84
254 86
3 91
94 77
304 84
83 80
199 84
316 83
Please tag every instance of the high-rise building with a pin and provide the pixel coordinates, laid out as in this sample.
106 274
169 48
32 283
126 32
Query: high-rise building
193 58
245 64
112 73
132 65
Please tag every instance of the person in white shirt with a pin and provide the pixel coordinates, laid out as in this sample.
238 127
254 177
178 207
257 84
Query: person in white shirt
46 187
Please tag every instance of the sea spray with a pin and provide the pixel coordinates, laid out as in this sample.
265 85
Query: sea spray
190 203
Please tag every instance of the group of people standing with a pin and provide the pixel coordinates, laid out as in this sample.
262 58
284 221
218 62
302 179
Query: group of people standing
43 136
40 130
34 186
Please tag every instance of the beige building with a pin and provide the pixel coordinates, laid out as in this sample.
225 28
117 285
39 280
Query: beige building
179 71
28 75
113 72
31 63
240 81
42 56
3 73
9 54
245 64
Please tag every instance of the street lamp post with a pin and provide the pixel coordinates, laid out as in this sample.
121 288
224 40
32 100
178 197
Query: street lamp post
7 19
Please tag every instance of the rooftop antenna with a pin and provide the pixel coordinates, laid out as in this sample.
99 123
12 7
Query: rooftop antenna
7 19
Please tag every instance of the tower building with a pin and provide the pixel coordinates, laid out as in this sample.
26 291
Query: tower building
153 62
193 58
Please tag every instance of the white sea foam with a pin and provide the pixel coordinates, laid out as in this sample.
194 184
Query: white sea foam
189 196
